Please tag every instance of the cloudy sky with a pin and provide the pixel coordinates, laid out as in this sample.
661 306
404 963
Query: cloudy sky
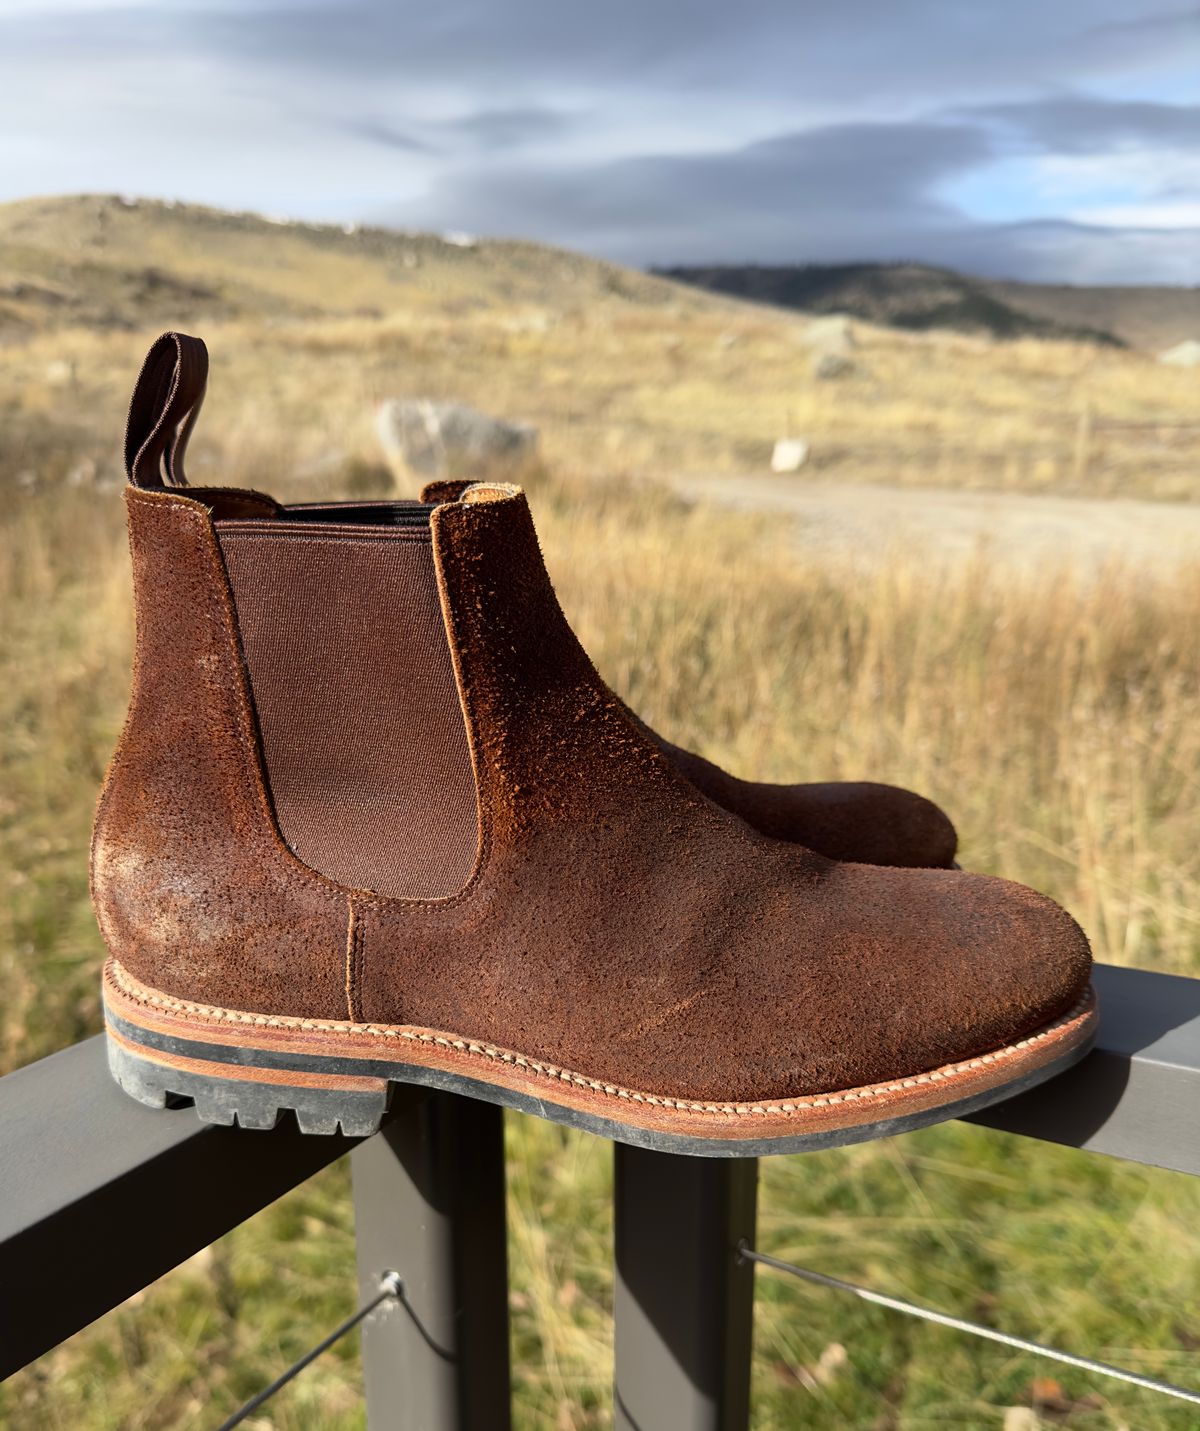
1046 139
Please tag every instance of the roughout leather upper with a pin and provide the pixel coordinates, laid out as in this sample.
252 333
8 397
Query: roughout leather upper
618 922
858 820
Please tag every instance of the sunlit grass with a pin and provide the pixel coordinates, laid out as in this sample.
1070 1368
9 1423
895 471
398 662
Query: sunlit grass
1056 717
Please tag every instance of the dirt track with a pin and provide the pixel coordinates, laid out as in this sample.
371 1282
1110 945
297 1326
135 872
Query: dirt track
1010 527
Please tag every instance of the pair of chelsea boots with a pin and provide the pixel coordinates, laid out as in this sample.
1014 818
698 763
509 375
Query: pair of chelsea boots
374 818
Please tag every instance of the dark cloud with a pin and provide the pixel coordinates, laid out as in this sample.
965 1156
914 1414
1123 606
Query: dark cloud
490 130
686 131
866 48
1170 26
844 192
510 128
841 188
1081 124
379 132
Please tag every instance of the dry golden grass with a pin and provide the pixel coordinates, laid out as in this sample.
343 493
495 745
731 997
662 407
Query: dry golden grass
1056 720
622 390
1055 717
622 372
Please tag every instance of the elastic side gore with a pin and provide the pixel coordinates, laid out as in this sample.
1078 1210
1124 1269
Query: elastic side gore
365 747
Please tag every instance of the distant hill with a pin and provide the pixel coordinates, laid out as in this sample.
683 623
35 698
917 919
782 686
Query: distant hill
1150 318
622 372
105 262
915 296
100 261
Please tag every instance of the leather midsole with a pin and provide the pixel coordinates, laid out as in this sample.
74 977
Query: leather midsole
234 1042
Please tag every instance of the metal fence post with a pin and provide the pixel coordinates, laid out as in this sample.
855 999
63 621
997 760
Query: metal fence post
684 1301
429 1205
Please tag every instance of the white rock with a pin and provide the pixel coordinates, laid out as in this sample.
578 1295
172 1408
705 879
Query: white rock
1182 355
831 333
533 322
790 454
83 474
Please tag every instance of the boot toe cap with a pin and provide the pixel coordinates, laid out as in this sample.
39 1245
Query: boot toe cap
906 971
979 964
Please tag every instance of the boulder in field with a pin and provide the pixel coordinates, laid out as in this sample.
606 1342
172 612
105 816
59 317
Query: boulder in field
830 364
450 439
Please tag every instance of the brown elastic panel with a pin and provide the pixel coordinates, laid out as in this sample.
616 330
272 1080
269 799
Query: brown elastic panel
363 736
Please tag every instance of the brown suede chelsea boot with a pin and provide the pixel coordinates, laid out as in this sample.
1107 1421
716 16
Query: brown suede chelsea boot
859 820
374 818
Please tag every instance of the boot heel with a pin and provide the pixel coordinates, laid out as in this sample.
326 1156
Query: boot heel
241 1102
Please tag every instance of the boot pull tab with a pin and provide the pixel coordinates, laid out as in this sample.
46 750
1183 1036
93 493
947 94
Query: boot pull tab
166 402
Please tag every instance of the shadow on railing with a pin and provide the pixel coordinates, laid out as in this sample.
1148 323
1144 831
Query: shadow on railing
120 1194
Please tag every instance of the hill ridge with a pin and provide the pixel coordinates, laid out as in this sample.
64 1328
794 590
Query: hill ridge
923 297
111 261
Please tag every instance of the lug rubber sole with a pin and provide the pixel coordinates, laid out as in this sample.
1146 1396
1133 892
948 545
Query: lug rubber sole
247 1069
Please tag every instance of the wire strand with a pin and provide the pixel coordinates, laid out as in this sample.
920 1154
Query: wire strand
391 1289
958 1324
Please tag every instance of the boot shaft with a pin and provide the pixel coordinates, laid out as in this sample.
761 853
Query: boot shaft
295 731
333 704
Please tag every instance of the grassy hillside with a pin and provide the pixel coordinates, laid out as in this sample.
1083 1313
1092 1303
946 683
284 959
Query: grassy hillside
1055 717
623 373
1147 318
110 262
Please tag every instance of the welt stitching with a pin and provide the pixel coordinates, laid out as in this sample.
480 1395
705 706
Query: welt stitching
480 766
352 937
360 963
140 994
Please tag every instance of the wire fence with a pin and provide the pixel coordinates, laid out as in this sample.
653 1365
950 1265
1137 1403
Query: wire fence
391 1289
974 1329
